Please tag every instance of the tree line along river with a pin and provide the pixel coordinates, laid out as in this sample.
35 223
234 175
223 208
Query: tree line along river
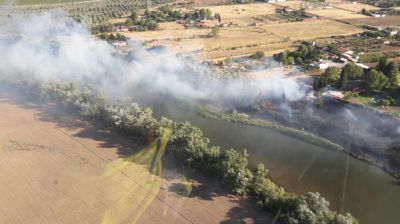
354 186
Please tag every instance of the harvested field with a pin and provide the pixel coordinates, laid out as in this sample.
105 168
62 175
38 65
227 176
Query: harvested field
336 14
291 4
234 41
385 21
243 10
355 7
311 30
174 34
57 169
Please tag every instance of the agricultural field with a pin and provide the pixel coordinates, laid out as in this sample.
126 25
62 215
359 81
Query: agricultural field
336 14
56 169
235 41
355 7
243 10
385 21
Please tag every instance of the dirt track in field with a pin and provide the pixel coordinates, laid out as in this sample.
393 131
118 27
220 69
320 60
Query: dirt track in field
57 169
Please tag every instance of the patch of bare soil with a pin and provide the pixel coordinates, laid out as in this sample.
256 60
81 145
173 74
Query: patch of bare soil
55 168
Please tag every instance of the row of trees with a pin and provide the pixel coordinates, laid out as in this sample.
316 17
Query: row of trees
192 148
386 75
305 54
112 37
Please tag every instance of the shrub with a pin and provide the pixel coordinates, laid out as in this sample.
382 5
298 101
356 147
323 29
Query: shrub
258 55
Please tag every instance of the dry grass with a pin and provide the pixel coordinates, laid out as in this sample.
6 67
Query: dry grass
385 21
208 2
174 35
336 14
243 10
234 41
292 4
355 7
311 30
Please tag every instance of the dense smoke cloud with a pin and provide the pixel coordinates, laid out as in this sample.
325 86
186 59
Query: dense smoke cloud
52 46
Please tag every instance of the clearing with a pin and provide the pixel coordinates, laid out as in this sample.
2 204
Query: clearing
57 169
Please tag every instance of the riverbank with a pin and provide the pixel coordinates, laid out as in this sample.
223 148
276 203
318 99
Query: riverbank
300 134
245 119
189 146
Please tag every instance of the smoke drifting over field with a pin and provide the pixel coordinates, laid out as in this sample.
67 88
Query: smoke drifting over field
52 46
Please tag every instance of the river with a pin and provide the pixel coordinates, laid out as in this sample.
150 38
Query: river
350 185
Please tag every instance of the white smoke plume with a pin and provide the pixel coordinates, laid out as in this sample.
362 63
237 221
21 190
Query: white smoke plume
50 45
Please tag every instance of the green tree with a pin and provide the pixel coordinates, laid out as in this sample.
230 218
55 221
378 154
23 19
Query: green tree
343 79
375 81
353 71
205 13
392 69
234 172
382 64
217 16
134 15
311 208
332 74
319 83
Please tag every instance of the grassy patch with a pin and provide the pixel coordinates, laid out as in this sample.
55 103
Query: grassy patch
361 100
245 119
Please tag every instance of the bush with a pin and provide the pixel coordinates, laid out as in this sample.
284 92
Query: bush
258 55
